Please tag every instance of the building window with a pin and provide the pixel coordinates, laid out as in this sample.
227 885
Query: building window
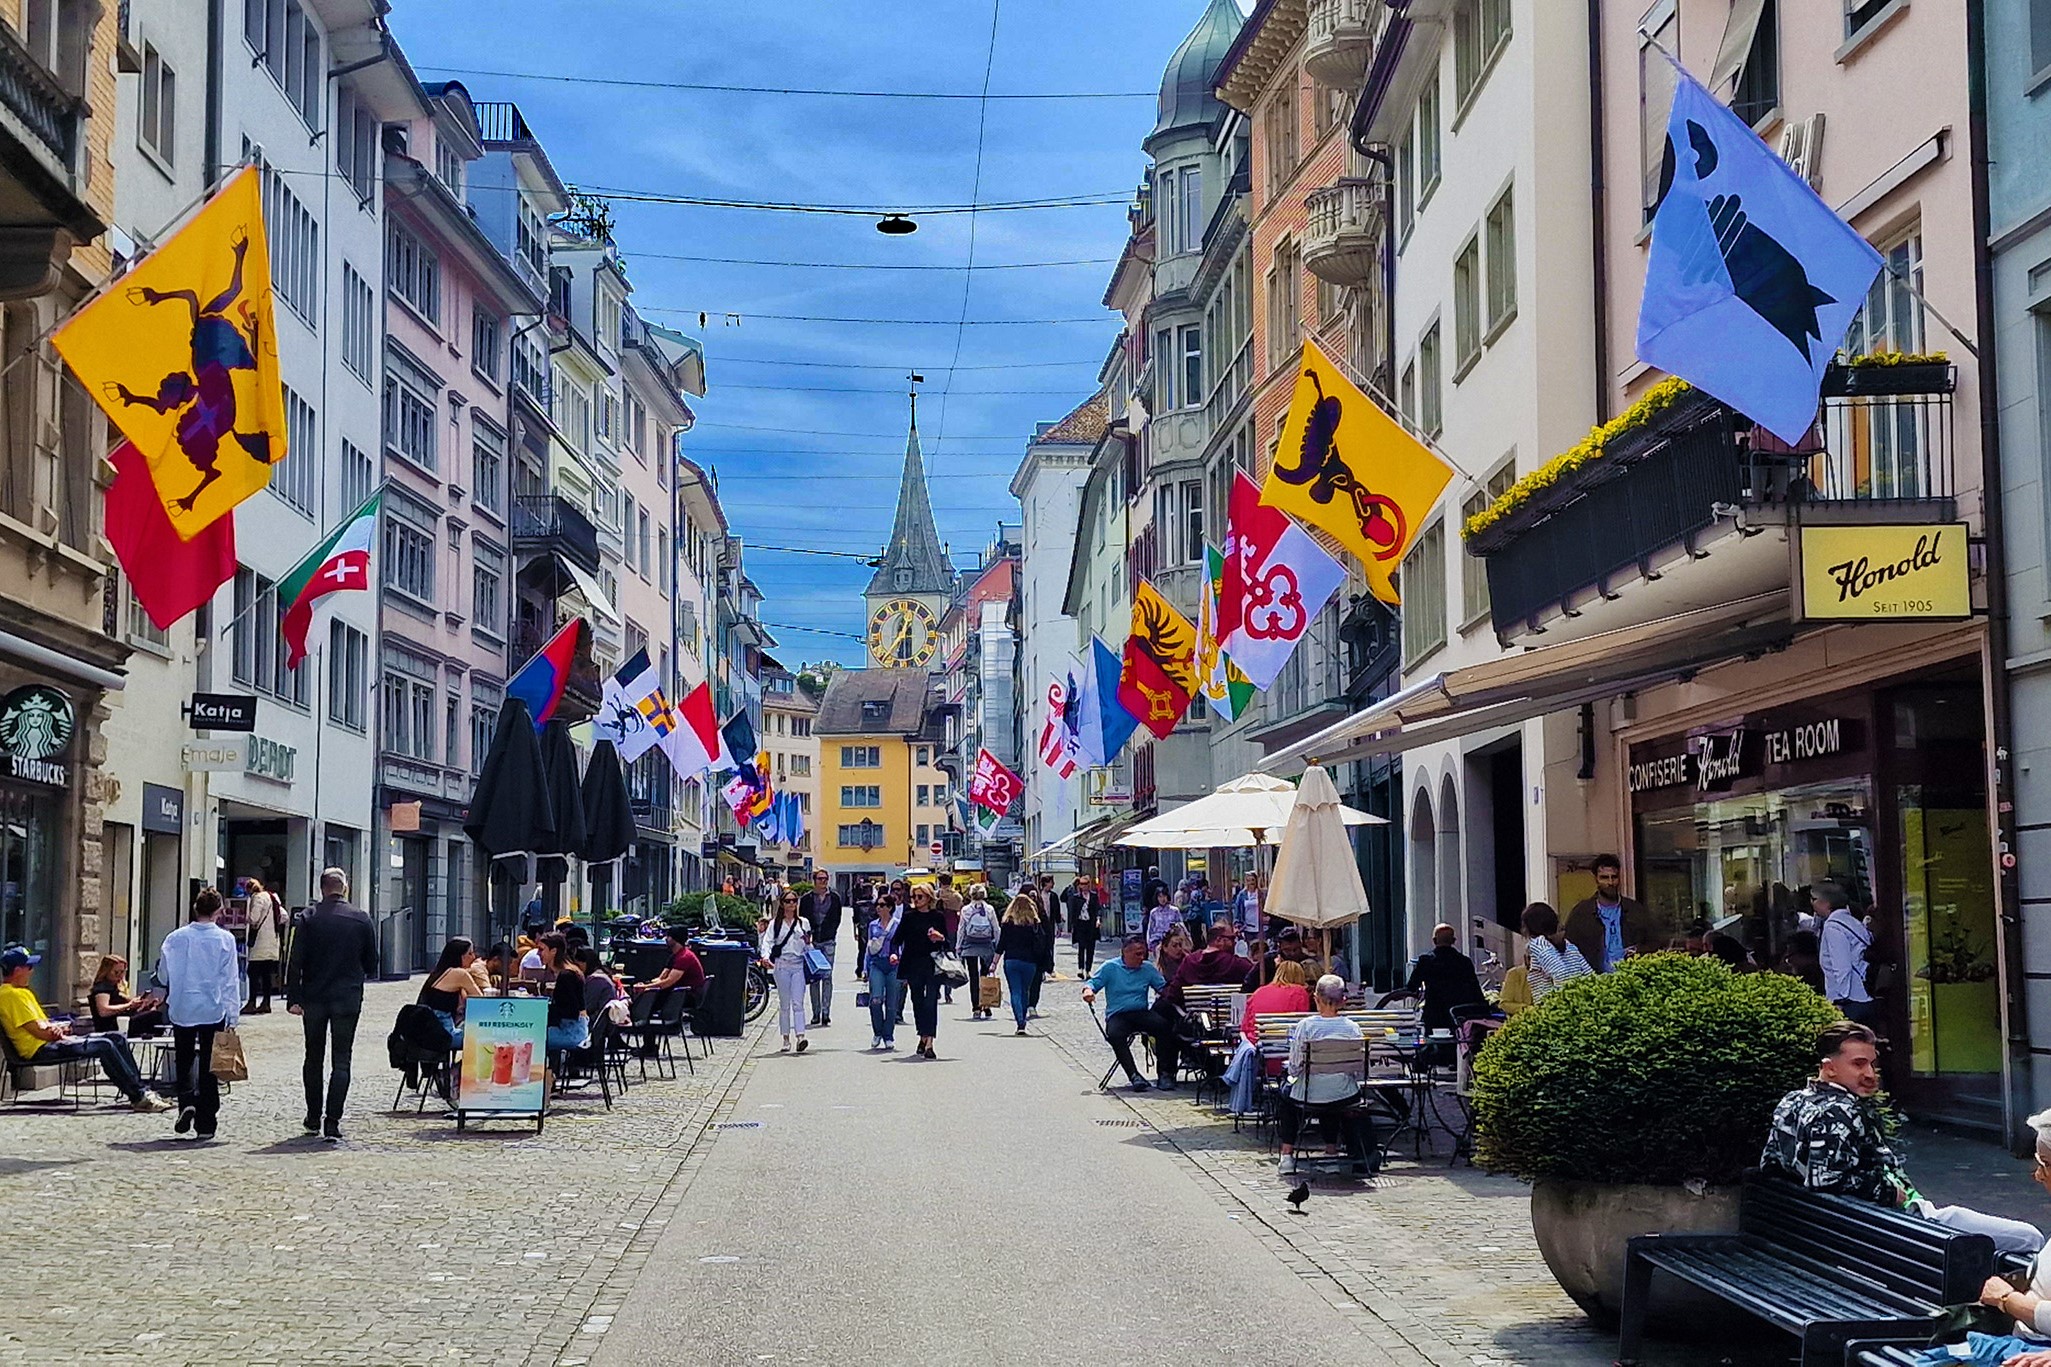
141 630
1285 322
645 538
485 699
1473 572
294 237
294 480
925 833
357 476
1406 394
356 147
1859 13
1280 137
1466 307
411 405
359 323
408 713
925 798
448 167
412 271
1480 28
925 754
1405 157
1502 261
159 131
1430 400
1193 366
348 685
288 46
1656 82
1424 594
58 33
487 465
409 548
258 651
487 576
861 757
1429 140
485 347
530 244
861 795
1756 91
1192 521
1164 371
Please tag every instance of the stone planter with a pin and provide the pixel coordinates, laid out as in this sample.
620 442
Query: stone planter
1583 1229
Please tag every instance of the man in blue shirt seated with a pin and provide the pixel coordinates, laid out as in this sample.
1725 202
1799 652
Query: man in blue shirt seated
1127 983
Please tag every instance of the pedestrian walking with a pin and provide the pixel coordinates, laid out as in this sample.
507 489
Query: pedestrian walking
978 945
266 924
1048 906
205 997
1019 946
821 909
880 956
901 893
1085 923
865 909
950 903
921 934
1845 942
784 942
332 954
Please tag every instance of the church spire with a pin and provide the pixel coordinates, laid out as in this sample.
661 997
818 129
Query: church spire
914 561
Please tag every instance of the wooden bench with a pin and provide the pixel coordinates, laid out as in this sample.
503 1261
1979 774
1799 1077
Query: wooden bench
1827 1269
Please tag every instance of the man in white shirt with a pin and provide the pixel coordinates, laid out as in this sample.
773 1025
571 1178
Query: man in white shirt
1325 1089
198 961
1845 940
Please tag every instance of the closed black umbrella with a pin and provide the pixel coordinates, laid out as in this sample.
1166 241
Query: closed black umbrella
565 802
608 817
509 812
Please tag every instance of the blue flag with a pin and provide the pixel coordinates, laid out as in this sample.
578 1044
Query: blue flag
1752 280
1105 724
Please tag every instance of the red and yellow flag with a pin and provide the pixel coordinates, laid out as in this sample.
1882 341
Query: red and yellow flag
1159 677
1349 469
181 354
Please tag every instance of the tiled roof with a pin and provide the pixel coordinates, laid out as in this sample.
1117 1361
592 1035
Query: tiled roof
1085 425
903 691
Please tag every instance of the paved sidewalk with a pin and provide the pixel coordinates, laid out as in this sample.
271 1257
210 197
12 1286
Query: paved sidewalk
407 1244
1443 1256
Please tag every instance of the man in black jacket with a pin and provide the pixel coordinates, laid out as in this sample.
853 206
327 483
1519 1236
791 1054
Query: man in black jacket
822 908
333 952
1445 978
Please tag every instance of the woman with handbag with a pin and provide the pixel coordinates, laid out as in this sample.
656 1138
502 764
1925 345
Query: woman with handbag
1019 944
266 920
921 935
880 958
979 939
785 938
198 961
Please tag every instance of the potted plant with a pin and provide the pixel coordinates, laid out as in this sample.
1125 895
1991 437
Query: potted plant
735 913
1890 372
1632 1102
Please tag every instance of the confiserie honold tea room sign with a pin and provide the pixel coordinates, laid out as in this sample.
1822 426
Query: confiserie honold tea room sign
1885 573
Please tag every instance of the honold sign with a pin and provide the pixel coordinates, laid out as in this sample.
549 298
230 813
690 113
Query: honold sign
1885 573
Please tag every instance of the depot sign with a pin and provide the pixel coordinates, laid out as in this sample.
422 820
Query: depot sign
1896 572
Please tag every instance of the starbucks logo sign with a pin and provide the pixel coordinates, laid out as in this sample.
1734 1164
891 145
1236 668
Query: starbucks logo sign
36 723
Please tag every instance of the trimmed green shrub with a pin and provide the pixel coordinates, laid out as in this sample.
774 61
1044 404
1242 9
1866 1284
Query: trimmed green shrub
689 910
1665 1071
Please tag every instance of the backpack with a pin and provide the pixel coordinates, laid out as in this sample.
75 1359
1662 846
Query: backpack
979 925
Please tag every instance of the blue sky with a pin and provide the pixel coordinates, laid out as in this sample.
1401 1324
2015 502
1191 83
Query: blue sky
799 465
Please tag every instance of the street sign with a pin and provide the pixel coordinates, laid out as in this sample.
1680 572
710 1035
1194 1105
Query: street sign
222 711
163 809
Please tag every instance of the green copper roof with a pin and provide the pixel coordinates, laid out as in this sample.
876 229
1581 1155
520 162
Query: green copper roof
1187 100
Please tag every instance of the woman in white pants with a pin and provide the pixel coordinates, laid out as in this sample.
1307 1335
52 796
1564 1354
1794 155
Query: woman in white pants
785 938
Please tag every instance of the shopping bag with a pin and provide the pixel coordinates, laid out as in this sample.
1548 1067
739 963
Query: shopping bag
989 992
229 1063
818 968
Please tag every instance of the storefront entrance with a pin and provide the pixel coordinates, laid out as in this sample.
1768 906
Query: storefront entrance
28 881
1882 792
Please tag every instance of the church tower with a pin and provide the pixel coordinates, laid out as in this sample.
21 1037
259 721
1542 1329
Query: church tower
909 592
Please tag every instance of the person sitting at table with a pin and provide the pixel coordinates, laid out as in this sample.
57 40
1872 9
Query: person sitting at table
1126 983
599 988
1551 958
685 969
1215 965
1288 948
38 1039
1173 952
107 1001
568 1026
1325 1090
2030 1306
1288 994
1445 979
489 968
450 986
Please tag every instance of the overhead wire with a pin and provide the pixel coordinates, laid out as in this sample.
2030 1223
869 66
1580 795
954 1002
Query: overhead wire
867 265
968 279
727 88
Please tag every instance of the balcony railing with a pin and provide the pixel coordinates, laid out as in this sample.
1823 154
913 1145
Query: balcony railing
553 522
33 95
500 121
1886 449
1339 40
1339 240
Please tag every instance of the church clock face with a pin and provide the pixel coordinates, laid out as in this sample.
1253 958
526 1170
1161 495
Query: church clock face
903 634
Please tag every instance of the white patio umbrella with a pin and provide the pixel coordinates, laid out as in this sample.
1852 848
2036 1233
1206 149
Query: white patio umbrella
1316 882
1248 810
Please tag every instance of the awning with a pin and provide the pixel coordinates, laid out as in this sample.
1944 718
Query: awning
1066 843
1532 683
1098 837
594 592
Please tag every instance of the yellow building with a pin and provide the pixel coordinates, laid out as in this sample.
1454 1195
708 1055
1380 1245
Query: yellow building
872 727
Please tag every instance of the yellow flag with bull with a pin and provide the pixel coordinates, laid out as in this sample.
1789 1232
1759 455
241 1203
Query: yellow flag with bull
1346 467
181 354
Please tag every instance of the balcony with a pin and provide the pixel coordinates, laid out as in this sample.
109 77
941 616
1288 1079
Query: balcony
552 523
1699 506
1339 41
1341 239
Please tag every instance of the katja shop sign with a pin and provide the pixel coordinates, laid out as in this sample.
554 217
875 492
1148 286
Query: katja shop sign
1712 762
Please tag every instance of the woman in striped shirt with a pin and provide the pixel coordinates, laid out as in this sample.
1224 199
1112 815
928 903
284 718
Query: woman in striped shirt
1552 958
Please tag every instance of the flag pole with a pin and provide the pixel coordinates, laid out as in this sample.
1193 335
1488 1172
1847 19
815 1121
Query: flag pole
1390 407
